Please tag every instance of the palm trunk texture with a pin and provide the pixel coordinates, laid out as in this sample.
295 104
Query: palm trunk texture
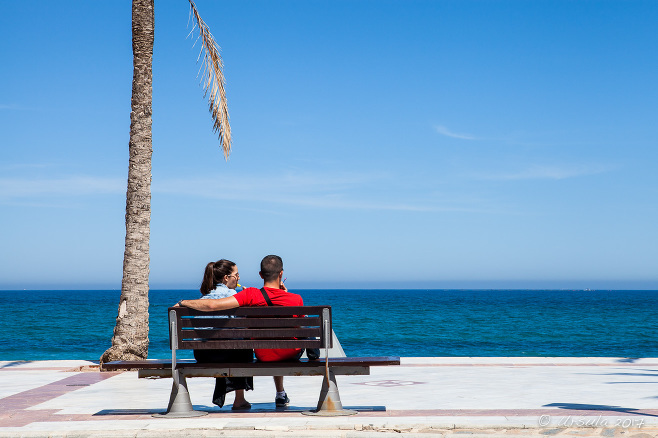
130 340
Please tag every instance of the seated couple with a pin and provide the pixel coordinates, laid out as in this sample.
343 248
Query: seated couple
218 289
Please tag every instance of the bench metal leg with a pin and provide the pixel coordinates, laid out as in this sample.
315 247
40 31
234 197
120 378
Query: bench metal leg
180 405
329 404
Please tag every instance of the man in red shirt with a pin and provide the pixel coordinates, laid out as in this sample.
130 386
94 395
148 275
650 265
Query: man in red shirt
271 271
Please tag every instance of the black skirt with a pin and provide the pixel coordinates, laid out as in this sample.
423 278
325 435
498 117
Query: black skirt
224 385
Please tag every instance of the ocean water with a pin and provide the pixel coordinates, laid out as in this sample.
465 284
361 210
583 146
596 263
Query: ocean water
41 325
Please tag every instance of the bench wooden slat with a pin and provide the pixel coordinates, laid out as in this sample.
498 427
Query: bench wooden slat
155 364
268 333
333 362
250 322
233 344
262 370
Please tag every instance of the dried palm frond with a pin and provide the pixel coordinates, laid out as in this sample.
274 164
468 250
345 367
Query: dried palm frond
213 79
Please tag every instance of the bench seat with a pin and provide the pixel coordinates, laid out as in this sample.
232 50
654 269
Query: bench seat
345 366
156 364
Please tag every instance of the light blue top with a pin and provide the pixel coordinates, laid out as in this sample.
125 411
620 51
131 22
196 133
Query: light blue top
221 291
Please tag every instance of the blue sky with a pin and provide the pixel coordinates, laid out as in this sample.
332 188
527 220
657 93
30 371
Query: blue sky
420 144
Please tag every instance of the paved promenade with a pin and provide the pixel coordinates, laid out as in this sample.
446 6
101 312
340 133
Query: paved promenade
609 397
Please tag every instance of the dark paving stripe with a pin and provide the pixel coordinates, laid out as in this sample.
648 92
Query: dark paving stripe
23 368
19 418
12 408
516 413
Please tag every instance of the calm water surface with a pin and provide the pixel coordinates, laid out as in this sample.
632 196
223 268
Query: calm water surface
39 325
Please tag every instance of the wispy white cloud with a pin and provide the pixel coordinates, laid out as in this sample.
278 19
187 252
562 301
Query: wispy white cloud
545 172
359 191
230 186
346 191
316 191
448 133
65 186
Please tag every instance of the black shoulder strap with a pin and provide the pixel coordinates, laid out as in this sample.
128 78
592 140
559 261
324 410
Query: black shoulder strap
267 298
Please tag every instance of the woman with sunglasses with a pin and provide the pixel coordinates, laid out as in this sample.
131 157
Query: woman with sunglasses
220 279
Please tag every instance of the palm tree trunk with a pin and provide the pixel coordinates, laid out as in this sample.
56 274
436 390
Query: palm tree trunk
130 340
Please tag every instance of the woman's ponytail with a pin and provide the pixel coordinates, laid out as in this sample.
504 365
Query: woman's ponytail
208 282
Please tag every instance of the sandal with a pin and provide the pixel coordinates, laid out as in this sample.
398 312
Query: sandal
244 407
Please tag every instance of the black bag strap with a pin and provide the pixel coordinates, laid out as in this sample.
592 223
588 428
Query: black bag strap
267 298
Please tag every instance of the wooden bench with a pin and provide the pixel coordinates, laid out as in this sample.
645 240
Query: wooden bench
248 328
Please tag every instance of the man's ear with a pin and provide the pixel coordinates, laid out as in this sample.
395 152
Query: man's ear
261 274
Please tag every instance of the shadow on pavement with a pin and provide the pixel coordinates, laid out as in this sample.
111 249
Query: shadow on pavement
128 412
256 408
587 407
15 363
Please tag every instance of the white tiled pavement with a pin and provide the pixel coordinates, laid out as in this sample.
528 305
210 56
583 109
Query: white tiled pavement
435 396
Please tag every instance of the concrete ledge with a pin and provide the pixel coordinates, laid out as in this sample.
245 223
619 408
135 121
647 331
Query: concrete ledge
364 432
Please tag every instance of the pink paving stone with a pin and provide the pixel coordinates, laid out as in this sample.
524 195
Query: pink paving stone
23 418
506 413
22 368
44 393
19 418
12 408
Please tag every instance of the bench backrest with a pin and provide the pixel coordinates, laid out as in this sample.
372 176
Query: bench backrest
250 327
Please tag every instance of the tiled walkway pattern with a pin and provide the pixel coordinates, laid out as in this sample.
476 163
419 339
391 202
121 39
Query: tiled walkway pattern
457 392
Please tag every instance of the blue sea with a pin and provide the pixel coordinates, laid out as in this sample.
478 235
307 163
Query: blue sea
43 325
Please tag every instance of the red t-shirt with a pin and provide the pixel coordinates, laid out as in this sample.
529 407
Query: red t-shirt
252 297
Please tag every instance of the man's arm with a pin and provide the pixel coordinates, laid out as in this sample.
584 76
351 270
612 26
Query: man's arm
210 305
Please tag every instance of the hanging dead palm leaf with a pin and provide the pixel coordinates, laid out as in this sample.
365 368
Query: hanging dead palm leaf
212 76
